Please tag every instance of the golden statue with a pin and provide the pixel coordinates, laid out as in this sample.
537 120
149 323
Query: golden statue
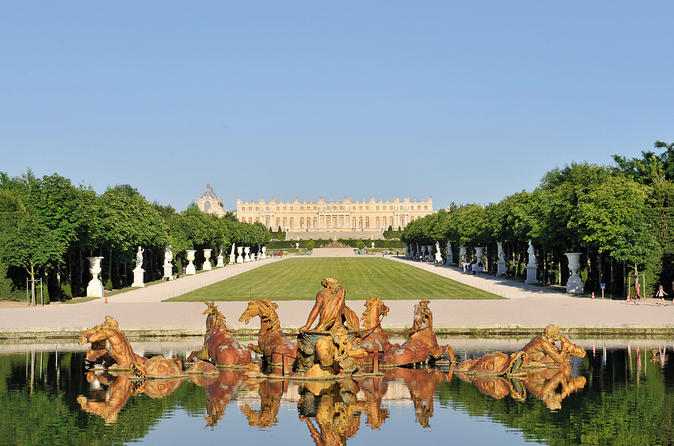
335 354
270 392
331 309
496 363
120 389
108 340
271 343
497 387
553 385
372 336
220 347
543 350
422 344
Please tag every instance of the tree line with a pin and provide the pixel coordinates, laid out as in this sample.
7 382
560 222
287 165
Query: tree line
619 216
48 227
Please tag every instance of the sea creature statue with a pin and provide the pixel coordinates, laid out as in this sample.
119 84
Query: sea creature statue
553 385
422 344
372 337
497 387
271 343
543 351
108 342
335 355
496 363
220 347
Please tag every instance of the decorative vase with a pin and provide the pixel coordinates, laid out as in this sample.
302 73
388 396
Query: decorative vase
190 270
95 286
575 284
239 258
207 260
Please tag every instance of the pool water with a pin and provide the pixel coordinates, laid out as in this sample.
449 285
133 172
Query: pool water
622 392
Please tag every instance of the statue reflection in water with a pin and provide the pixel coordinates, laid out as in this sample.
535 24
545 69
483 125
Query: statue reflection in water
219 391
107 401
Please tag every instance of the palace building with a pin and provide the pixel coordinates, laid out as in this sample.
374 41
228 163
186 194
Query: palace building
210 203
332 219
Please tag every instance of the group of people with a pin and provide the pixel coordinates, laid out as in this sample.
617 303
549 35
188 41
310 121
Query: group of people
472 268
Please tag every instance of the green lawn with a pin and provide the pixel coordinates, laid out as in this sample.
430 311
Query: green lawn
295 279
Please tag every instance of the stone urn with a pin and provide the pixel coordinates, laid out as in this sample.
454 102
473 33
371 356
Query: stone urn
207 260
297 245
239 258
264 252
95 286
246 249
190 269
575 284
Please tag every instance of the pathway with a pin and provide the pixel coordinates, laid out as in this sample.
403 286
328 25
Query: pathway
510 289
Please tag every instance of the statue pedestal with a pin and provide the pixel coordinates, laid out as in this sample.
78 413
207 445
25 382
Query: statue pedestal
138 278
501 268
574 285
531 274
221 262
168 271
95 289
450 259
190 270
95 286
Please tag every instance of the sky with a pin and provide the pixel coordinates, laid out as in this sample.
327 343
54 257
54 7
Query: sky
461 101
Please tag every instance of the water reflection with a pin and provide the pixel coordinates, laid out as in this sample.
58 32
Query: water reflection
597 399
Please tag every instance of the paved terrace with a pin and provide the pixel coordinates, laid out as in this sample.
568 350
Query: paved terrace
528 307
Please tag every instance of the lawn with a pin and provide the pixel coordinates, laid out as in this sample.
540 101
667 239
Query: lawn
300 279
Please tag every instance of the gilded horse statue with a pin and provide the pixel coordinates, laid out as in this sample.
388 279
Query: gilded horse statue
372 337
271 343
220 347
107 340
422 344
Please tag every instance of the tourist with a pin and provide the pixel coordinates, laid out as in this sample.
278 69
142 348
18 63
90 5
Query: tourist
661 294
473 268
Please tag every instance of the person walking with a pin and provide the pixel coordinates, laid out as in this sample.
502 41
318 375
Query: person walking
661 294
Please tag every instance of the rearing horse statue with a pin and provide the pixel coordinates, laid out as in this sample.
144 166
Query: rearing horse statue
220 347
271 343
372 337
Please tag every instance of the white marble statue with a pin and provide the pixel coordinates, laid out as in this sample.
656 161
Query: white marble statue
168 266
532 255
450 255
221 259
95 286
532 268
139 257
138 271
438 254
462 253
501 263
232 256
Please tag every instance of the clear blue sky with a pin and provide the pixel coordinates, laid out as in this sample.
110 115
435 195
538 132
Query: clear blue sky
467 102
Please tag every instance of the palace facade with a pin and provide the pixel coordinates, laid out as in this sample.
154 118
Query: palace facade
210 203
333 216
